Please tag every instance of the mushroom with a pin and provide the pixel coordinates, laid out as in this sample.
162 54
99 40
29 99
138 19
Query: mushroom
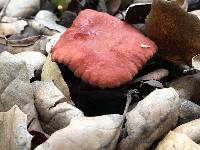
103 50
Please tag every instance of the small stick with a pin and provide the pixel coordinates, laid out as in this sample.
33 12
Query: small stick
3 10
128 102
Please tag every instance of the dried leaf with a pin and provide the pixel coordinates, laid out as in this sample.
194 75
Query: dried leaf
184 137
46 27
21 41
34 61
51 71
177 141
39 46
52 106
113 6
176 32
91 133
151 119
196 13
46 15
191 129
15 88
52 42
136 13
188 112
154 75
13 127
22 8
196 62
187 86
13 27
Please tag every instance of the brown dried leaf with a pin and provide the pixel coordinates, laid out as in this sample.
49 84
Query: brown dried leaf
13 127
176 32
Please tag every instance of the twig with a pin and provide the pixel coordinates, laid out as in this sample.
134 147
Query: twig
3 10
129 99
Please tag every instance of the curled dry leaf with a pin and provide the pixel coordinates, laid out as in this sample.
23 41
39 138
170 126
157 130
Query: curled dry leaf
51 71
34 61
152 117
52 107
19 40
13 127
183 137
15 88
177 141
91 133
12 27
22 8
39 46
176 32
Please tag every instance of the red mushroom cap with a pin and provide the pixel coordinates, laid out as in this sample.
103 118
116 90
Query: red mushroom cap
103 50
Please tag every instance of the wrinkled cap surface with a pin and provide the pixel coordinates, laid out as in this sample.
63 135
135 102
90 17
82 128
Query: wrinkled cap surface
103 50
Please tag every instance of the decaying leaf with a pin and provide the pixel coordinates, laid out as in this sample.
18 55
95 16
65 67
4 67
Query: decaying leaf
51 71
46 15
12 27
22 8
55 113
38 46
188 112
154 75
113 6
187 86
177 141
2 2
137 12
152 117
13 127
196 12
176 31
88 133
46 26
191 129
184 137
196 62
19 40
34 61
15 88
52 42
